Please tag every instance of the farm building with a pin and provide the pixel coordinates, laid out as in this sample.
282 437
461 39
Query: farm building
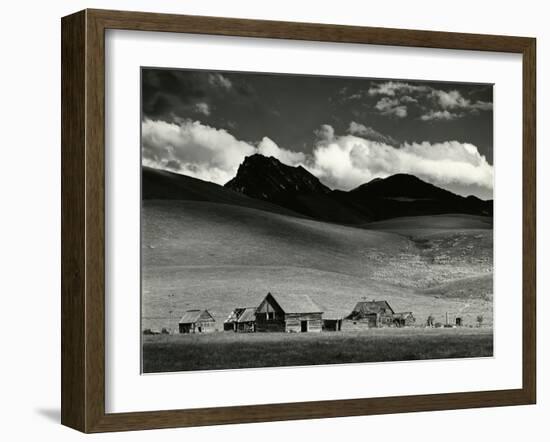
288 313
453 320
230 323
242 319
371 314
403 319
332 322
197 321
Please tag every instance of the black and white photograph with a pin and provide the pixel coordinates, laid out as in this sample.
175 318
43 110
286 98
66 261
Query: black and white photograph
301 220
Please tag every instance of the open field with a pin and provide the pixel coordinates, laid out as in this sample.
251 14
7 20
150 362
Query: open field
219 256
439 222
164 353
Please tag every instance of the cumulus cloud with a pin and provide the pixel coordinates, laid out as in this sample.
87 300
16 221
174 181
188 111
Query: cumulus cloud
396 95
370 134
202 108
325 132
193 149
340 161
349 161
219 80
388 106
439 115
450 100
481 105
393 88
408 99
454 100
202 151
267 147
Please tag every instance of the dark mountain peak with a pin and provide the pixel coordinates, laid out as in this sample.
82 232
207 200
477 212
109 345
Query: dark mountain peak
259 159
268 179
398 178
265 183
402 185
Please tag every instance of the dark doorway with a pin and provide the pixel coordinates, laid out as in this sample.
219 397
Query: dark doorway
458 322
304 326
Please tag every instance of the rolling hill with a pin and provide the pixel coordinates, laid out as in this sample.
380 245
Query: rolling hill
278 228
198 254
163 185
265 183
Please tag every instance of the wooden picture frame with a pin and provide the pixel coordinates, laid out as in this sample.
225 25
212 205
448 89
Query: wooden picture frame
83 220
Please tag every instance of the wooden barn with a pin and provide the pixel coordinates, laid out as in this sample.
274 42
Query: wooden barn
403 319
288 313
197 321
242 319
369 314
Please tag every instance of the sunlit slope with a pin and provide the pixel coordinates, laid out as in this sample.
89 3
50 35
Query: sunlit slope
198 254
433 222
203 233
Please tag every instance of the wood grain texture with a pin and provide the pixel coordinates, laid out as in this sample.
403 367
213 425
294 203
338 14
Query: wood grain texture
83 220
529 221
73 254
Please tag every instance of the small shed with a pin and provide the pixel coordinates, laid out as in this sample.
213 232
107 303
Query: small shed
197 321
288 313
230 323
332 321
453 320
241 319
371 314
403 319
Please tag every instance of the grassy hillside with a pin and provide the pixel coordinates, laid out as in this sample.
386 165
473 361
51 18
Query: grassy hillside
475 288
434 222
164 185
199 254
203 233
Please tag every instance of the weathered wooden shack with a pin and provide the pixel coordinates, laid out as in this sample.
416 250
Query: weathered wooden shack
369 314
332 322
241 319
230 324
453 320
247 321
197 321
288 313
403 319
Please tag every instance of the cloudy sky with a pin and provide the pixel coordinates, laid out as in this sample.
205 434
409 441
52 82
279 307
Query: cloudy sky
346 131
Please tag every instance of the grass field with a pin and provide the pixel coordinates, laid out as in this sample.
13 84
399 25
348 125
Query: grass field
217 256
163 353
198 255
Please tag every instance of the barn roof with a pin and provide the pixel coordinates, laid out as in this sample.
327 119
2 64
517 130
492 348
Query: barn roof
402 314
242 314
248 315
292 303
235 313
332 316
192 316
372 306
